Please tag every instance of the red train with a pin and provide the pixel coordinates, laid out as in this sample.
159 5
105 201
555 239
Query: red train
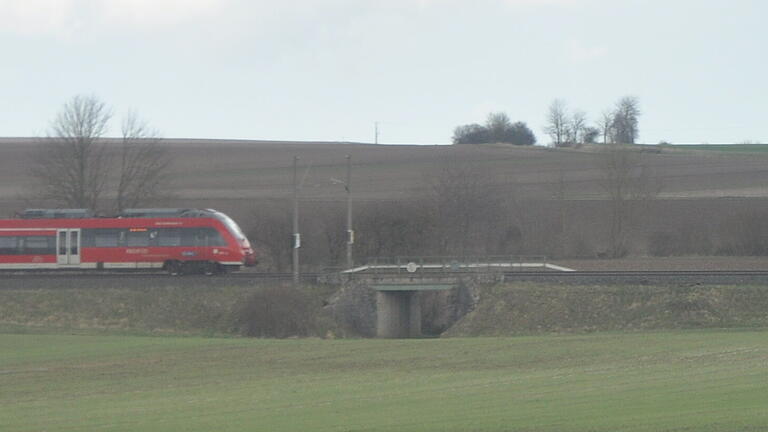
179 241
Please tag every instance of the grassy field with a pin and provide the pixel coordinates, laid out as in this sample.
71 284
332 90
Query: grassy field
744 148
666 381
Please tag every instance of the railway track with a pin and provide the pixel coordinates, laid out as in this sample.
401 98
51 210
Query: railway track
146 275
138 281
660 277
315 275
144 279
641 273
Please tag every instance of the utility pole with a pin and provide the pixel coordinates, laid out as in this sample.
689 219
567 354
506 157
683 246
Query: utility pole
296 236
375 133
350 232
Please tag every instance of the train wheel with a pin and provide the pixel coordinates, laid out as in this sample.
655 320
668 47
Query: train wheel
211 268
190 267
173 268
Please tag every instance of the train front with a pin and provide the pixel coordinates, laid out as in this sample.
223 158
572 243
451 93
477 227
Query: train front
249 256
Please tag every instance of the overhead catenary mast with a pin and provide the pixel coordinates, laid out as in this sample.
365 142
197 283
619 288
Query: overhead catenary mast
296 235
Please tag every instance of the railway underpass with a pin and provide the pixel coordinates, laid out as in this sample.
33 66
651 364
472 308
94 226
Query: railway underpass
399 282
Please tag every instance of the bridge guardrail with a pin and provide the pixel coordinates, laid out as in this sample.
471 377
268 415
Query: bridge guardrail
447 264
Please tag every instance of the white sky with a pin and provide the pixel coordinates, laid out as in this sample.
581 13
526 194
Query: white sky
328 69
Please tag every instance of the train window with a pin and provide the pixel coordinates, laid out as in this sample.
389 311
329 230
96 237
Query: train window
169 237
189 237
204 236
74 242
137 238
8 245
201 237
39 245
106 237
62 243
212 237
86 238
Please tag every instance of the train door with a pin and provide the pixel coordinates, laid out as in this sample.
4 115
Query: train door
68 246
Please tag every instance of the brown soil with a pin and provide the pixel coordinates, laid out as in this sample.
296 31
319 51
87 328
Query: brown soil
221 169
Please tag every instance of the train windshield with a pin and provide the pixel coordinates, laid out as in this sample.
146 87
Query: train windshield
231 225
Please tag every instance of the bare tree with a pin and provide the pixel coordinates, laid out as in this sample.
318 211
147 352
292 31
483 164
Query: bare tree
497 125
464 201
627 180
605 126
78 167
590 134
394 228
557 123
625 120
72 165
577 128
142 166
271 232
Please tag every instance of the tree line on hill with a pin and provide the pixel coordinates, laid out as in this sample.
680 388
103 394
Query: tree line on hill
618 125
497 129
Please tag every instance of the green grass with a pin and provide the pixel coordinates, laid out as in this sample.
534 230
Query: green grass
666 381
744 148
530 308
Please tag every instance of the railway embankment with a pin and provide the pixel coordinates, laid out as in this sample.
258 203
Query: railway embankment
174 306
525 308
220 306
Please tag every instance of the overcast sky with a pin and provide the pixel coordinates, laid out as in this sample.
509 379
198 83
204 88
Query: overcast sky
329 69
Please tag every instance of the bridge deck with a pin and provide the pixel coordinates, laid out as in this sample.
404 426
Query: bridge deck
412 287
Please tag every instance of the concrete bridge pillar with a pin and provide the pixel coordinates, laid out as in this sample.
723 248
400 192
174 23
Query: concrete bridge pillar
398 304
398 314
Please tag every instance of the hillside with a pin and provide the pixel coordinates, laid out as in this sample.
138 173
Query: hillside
553 199
232 170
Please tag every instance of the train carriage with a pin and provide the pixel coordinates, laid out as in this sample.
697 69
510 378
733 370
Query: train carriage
175 240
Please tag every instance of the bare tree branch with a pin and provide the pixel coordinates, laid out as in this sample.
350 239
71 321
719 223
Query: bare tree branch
464 202
77 167
72 166
142 166
625 120
557 122
626 180
605 125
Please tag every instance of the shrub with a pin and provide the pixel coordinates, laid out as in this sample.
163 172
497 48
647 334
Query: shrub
279 312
